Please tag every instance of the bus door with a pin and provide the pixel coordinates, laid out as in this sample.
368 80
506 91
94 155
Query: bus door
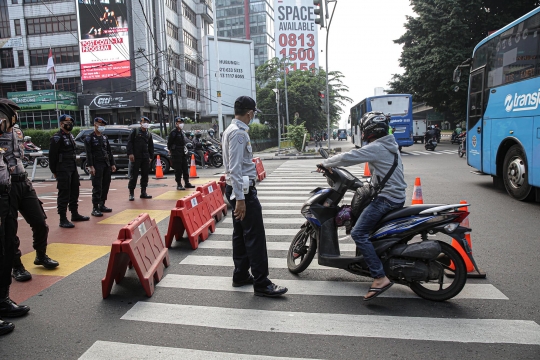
474 122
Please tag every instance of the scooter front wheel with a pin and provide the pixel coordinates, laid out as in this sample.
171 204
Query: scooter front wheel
302 250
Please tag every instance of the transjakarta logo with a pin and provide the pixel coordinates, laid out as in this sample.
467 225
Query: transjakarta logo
522 102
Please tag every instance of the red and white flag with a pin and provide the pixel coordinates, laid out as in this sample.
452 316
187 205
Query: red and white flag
51 73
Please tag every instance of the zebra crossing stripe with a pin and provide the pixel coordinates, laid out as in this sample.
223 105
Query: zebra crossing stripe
491 331
302 198
321 288
274 246
296 205
282 212
284 221
273 263
122 351
268 232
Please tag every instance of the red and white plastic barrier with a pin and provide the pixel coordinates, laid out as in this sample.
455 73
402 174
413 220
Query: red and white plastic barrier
213 197
261 173
138 244
191 215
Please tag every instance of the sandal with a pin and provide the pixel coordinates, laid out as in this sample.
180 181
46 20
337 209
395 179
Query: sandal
378 291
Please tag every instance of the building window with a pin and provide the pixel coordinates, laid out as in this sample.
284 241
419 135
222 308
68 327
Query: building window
190 40
11 87
51 24
191 65
7 60
178 89
66 84
20 55
14 2
188 13
5 31
61 55
37 1
193 93
172 4
172 30
17 23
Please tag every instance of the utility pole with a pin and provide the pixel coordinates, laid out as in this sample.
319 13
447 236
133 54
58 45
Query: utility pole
327 86
276 90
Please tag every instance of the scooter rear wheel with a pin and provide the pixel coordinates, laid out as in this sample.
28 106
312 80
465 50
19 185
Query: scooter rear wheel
302 251
452 261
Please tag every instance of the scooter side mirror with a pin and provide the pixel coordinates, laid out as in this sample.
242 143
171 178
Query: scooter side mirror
323 153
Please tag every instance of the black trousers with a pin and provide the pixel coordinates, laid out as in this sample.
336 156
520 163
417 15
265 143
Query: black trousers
180 168
101 182
7 234
23 199
249 241
201 155
67 183
144 166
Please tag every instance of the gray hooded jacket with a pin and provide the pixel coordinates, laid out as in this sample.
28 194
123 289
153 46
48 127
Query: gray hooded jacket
380 156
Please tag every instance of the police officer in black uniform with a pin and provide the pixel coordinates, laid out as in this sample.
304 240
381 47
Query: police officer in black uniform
62 164
101 164
23 196
140 149
8 222
176 143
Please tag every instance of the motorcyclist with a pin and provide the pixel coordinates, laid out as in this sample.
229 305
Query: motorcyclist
29 145
438 133
198 144
431 134
380 150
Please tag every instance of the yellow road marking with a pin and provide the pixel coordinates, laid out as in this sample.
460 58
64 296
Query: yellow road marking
71 257
174 195
124 217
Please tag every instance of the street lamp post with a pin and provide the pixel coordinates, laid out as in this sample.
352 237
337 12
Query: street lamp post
276 90
327 87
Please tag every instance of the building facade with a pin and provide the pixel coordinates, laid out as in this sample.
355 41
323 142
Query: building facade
251 20
165 52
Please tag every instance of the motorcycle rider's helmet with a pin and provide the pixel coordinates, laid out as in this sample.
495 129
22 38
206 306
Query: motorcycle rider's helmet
9 108
374 125
27 139
198 134
211 132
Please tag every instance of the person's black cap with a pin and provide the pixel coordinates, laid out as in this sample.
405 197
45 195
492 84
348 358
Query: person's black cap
66 117
246 103
178 119
100 120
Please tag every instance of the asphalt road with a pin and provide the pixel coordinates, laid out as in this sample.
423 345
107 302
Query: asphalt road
195 314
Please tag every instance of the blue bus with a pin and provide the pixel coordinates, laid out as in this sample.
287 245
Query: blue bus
399 106
503 114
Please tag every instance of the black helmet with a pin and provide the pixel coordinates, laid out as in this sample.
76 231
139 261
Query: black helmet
374 125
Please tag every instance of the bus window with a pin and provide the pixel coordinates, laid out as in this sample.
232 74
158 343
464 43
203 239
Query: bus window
475 101
397 105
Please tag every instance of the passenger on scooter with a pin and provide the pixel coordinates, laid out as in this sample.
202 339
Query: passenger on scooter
430 134
379 151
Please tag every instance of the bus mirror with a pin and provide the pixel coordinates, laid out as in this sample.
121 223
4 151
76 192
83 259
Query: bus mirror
457 74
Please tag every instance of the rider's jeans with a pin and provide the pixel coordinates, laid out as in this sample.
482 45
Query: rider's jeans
371 215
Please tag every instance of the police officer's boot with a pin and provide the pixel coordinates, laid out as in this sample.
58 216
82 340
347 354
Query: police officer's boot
6 327
144 195
131 195
8 308
96 211
19 273
45 261
65 223
75 216
103 208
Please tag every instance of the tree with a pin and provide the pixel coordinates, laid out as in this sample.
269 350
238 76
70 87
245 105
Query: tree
442 36
303 95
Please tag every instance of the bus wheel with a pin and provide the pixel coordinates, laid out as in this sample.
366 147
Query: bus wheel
515 174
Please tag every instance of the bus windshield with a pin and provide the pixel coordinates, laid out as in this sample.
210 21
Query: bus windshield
395 105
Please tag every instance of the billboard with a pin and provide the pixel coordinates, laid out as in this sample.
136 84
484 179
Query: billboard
296 33
237 69
44 100
103 39
113 100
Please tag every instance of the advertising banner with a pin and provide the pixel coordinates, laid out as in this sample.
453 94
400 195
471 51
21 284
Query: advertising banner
44 100
113 101
237 69
296 33
103 39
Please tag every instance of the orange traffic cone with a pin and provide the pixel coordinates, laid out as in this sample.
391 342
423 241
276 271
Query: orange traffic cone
367 173
159 170
471 271
417 193
193 168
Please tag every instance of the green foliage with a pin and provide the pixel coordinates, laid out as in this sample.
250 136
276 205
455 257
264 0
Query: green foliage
303 95
441 36
295 133
259 132
188 121
42 138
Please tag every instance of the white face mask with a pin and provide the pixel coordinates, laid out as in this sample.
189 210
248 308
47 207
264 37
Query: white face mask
251 118
101 129
180 126
145 126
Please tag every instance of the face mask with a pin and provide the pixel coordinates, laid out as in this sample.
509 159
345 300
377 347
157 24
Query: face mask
101 129
251 119
68 127
145 126
180 126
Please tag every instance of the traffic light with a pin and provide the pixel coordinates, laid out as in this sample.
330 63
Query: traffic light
319 11
322 101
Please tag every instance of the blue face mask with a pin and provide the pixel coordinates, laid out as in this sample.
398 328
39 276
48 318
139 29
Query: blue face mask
101 129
